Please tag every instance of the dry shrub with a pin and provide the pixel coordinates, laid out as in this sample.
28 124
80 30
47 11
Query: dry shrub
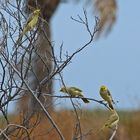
40 128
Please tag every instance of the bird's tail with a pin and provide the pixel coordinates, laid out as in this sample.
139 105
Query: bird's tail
110 105
85 100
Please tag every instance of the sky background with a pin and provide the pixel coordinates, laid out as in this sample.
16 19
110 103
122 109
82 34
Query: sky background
113 60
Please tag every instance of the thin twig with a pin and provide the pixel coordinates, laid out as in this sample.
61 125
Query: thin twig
39 102
114 133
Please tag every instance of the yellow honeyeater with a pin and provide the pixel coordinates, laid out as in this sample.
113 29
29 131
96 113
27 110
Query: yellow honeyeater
31 21
74 92
112 121
105 94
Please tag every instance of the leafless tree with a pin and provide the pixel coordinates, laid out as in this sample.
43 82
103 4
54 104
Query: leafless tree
28 67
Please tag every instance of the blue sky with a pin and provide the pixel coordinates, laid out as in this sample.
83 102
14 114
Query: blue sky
112 60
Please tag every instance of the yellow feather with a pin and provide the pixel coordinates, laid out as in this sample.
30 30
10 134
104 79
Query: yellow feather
105 94
74 92
31 22
111 123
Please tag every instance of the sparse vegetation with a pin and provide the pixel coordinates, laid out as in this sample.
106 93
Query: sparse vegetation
91 121
29 65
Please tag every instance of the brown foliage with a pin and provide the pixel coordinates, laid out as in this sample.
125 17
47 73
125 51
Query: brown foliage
41 129
107 14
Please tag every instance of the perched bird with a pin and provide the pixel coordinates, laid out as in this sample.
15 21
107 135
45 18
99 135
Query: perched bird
112 122
31 21
74 92
105 94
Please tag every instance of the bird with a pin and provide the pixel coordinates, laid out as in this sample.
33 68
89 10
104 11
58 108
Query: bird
112 121
105 94
74 92
31 21
30 24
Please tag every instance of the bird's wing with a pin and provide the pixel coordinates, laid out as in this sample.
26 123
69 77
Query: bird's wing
77 89
114 118
31 16
111 97
33 22
108 92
